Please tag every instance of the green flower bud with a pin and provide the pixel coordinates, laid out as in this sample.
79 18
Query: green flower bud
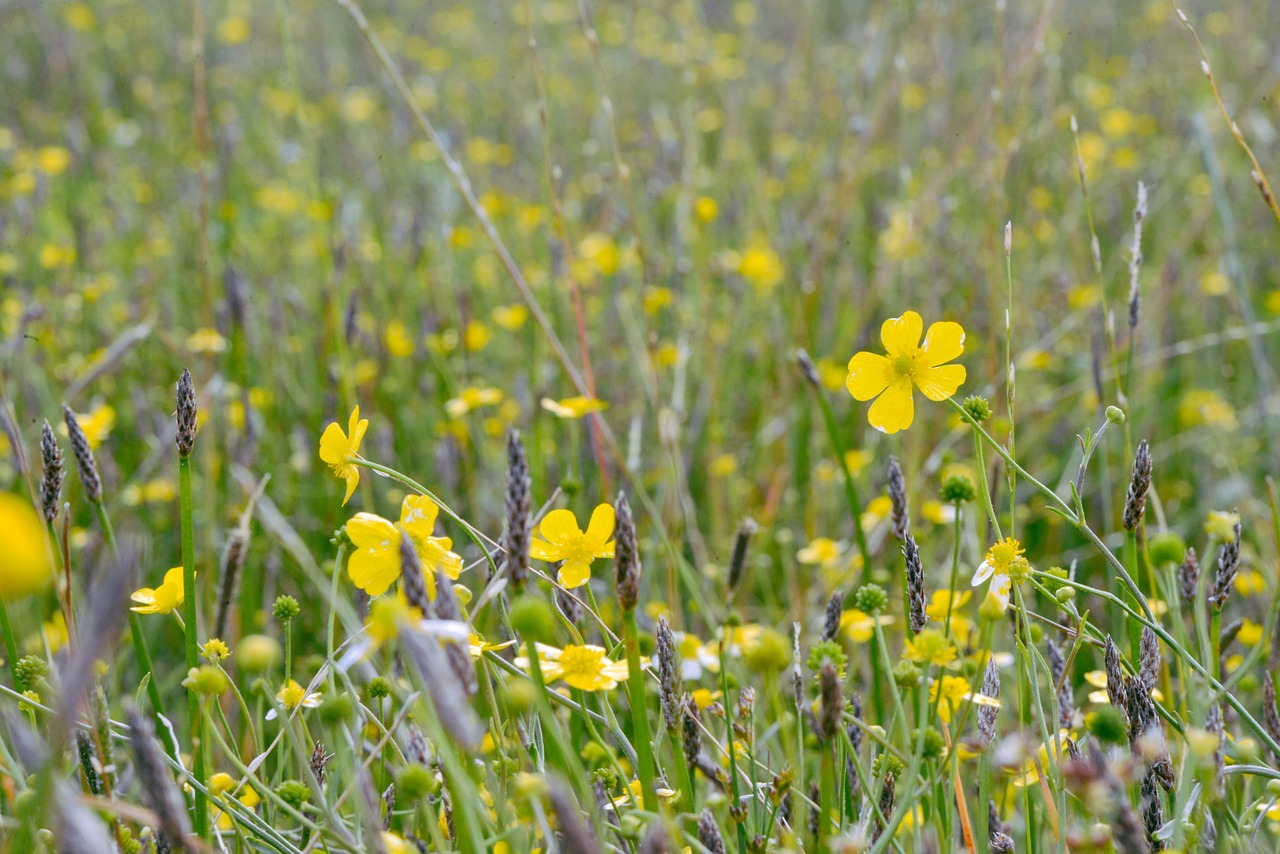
1108 725
379 688
870 599
1166 548
206 679
294 793
977 407
258 653
958 489
414 782
532 619
285 608
1115 415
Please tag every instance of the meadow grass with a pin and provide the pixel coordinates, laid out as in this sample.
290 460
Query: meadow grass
578 426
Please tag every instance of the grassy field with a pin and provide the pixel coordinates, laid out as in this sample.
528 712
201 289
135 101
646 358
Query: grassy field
769 426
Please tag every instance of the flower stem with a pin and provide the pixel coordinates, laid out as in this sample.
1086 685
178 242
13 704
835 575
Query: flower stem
639 709
192 647
850 488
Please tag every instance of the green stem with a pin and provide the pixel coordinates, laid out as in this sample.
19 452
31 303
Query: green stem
639 710
10 645
190 630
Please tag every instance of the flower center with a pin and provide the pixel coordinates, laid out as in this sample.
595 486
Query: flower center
577 550
904 366
581 661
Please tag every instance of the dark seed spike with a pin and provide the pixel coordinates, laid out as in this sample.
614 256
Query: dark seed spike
86 465
987 714
1189 576
900 514
738 560
709 833
916 616
1228 567
831 622
626 555
185 437
157 783
1149 658
671 689
1139 484
51 482
517 534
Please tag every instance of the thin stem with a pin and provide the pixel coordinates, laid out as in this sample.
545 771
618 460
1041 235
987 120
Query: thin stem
190 629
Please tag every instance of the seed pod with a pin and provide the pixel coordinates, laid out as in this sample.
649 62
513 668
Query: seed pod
319 759
1057 669
831 622
1270 715
691 734
738 561
916 616
157 783
1189 576
412 582
185 437
1228 567
1149 658
670 684
808 368
576 836
1116 694
86 465
900 514
1152 811
88 761
987 714
1139 484
709 833
516 536
626 556
51 482
832 707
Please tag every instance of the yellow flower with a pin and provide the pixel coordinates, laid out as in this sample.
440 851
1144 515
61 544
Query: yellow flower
215 649
821 551
376 561
25 567
930 647
761 266
563 540
293 695
1004 561
472 398
338 449
587 668
859 626
479 646
398 340
573 407
386 613
510 317
395 844
206 341
163 599
890 378
1221 525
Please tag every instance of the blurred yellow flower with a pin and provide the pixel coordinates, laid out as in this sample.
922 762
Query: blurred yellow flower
587 668
1221 525
761 266
163 599
337 449
375 563
909 363
472 398
24 561
233 30
510 317
206 341
1206 408
386 613
600 252
476 336
573 407
96 425
53 160
563 540
821 551
899 241
930 647
293 695
398 340
859 627
705 209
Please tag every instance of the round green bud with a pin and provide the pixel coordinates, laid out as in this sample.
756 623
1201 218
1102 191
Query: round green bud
827 651
977 407
958 489
414 782
570 486
337 708
463 593
1037 633
206 679
769 653
532 619
379 688
1273 788
1115 415
906 674
258 653
1065 595
870 599
285 608
1108 725
294 793
1166 548
519 696
933 744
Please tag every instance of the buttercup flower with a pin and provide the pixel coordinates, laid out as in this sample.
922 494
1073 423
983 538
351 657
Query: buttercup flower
376 561
949 692
293 695
1004 562
889 378
24 560
859 627
930 647
573 407
587 668
163 599
564 540
337 448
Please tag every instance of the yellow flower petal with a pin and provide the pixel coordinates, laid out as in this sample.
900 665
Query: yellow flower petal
367 530
941 382
600 529
944 342
418 514
374 569
574 574
333 445
901 335
894 410
869 375
352 477
559 526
